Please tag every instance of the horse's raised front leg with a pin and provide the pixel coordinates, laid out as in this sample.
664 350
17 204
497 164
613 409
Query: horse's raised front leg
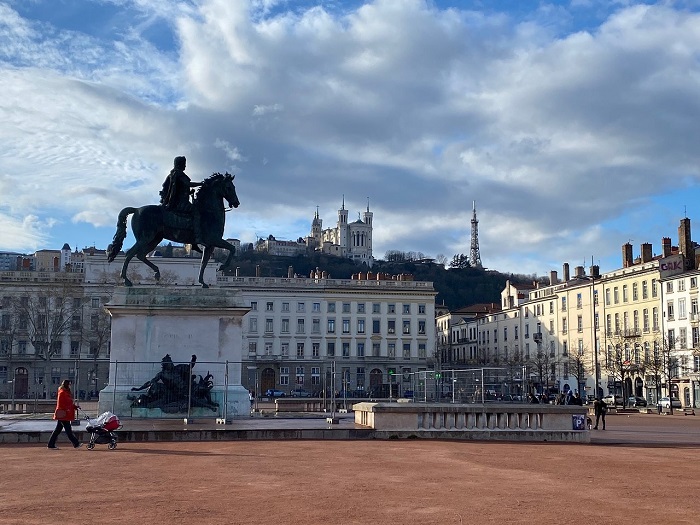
156 271
222 243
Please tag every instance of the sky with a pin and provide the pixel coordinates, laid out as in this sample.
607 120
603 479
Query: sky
573 125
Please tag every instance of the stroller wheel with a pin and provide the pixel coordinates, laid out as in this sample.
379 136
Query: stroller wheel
112 445
90 446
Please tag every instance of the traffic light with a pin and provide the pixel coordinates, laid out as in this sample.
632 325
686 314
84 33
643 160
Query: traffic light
438 375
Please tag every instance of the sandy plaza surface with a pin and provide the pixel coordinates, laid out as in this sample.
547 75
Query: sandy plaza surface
646 471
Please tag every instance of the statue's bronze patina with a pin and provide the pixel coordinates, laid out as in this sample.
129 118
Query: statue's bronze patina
175 388
177 219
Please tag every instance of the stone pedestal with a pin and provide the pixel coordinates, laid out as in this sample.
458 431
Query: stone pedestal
149 322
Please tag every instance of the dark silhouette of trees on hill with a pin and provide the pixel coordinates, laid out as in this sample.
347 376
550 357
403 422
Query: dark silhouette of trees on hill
456 287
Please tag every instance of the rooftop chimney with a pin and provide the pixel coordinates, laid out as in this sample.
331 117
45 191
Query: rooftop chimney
566 272
627 258
595 271
666 246
685 244
552 277
290 272
579 272
646 252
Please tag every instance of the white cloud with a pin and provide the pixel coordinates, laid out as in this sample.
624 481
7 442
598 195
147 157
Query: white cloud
556 131
21 232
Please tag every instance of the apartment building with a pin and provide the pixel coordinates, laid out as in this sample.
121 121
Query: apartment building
634 331
457 335
371 330
682 335
299 330
52 327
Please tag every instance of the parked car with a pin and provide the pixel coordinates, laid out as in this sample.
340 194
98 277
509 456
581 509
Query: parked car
612 400
635 401
273 392
300 392
666 402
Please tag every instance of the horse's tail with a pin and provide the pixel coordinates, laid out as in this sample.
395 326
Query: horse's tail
118 240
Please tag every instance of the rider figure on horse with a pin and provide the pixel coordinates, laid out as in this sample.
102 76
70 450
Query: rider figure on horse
175 195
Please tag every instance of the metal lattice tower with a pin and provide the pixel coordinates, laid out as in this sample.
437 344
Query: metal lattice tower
474 255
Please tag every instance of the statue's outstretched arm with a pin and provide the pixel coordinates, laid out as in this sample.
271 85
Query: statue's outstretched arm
142 387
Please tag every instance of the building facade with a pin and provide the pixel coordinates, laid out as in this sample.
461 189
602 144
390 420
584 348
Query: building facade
308 333
368 332
634 331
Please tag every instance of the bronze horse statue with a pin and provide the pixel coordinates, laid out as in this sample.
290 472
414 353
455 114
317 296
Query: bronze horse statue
151 224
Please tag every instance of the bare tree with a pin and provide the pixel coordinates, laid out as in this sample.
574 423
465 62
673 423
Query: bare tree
47 315
97 335
618 358
9 326
395 256
513 361
544 360
460 261
654 363
577 367
670 362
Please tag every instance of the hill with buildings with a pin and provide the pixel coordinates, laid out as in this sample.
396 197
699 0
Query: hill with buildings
456 287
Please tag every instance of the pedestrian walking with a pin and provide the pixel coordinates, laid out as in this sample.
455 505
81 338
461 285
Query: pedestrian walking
600 409
576 400
64 414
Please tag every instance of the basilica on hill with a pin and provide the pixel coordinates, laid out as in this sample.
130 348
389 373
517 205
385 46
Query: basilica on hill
351 240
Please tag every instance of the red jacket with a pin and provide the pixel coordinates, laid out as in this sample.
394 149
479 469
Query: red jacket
65 408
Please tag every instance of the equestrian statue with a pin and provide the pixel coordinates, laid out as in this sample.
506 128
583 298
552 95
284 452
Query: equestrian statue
200 222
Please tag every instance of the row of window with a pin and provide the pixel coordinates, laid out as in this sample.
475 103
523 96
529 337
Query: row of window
42 301
359 349
22 348
300 377
614 323
612 295
635 291
355 380
552 350
682 309
682 341
331 326
40 322
360 308
621 323
57 375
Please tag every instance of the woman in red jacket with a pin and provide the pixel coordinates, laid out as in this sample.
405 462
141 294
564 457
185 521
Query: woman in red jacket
64 414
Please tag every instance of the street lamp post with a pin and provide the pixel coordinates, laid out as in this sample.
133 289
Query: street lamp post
12 382
595 340
391 393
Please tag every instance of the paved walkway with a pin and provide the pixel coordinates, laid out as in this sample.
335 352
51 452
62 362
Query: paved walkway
622 429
